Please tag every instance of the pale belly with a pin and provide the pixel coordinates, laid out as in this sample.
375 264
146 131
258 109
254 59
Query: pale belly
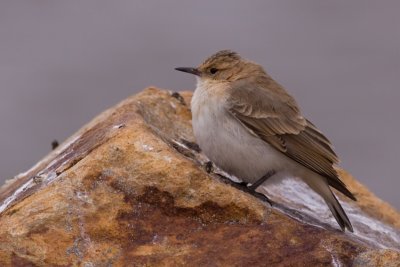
229 145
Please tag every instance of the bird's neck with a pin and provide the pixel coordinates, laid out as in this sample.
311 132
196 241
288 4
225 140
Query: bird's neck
213 88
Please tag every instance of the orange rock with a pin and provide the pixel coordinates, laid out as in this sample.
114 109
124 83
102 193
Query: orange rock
130 189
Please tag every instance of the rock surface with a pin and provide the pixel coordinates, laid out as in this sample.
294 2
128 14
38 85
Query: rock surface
131 189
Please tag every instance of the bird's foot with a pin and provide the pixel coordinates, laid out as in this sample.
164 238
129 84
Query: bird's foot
243 187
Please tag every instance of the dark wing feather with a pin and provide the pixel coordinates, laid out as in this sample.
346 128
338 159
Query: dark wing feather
274 116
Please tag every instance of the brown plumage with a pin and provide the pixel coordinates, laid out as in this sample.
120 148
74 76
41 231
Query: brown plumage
280 124
248 125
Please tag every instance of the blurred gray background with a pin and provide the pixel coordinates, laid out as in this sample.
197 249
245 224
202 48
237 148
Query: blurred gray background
63 62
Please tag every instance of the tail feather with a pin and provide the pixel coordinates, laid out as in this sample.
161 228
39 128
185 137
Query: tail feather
320 185
339 214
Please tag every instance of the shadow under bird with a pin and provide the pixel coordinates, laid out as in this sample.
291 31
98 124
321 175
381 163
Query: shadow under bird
249 126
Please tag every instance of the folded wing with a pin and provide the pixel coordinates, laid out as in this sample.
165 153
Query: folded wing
280 123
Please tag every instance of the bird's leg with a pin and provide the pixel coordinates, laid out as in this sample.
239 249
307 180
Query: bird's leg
260 181
243 185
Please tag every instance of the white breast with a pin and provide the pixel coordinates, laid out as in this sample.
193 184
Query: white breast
227 143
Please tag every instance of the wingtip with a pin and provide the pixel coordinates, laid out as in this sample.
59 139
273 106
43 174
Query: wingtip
350 228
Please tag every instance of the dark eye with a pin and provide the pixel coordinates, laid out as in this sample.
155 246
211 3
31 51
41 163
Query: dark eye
213 70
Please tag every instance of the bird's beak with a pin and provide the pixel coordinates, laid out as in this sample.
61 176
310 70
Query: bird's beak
190 70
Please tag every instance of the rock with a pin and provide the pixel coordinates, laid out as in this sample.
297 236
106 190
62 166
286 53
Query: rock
131 189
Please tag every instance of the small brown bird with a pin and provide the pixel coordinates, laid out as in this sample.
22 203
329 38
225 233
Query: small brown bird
249 126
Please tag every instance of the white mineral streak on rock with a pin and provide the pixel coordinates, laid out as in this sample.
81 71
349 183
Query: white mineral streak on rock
147 147
295 194
335 261
45 177
17 192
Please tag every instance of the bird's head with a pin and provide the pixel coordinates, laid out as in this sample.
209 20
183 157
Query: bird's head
224 66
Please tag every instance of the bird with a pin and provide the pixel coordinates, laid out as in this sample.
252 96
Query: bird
248 125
